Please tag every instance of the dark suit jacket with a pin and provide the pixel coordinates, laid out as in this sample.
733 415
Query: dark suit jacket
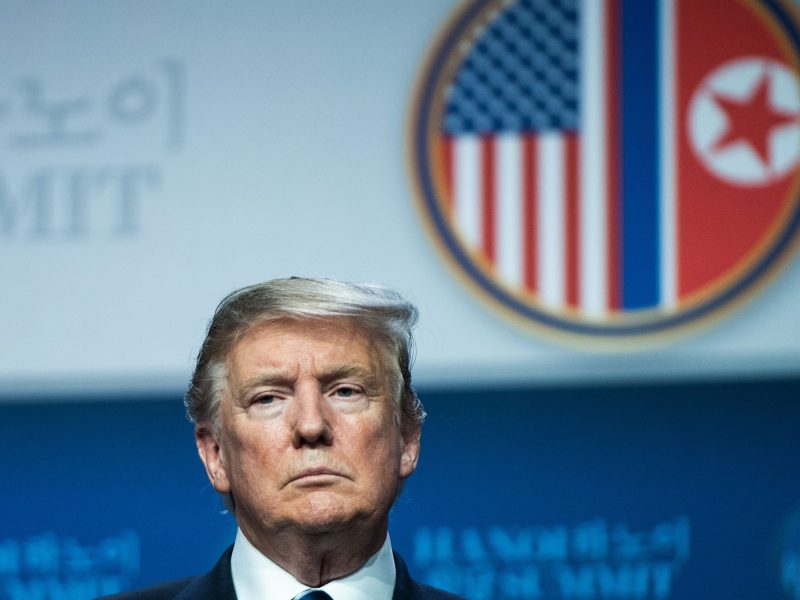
217 584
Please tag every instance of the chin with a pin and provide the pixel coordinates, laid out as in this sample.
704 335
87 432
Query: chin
325 513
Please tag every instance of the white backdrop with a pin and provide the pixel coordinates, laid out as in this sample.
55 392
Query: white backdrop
156 155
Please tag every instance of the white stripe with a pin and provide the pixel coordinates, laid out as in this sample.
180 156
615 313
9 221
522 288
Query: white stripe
551 227
669 252
509 208
467 188
593 266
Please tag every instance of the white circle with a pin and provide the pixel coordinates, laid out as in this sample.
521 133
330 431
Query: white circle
738 162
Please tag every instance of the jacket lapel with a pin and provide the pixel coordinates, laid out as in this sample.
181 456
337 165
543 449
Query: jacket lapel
217 584
404 585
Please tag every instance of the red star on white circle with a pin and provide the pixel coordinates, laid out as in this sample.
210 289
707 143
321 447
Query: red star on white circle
744 121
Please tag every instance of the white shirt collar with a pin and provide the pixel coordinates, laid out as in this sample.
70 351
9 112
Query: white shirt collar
256 577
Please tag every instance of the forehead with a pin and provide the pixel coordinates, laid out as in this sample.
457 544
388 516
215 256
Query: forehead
287 342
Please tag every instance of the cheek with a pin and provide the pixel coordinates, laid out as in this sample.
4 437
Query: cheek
383 448
250 459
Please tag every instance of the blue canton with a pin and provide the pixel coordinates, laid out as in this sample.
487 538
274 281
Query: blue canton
522 73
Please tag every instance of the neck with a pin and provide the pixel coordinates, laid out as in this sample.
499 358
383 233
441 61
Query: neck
315 559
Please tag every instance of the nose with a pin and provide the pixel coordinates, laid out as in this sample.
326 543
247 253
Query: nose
310 422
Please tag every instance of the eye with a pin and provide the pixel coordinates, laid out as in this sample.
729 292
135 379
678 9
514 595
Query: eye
265 399
345 392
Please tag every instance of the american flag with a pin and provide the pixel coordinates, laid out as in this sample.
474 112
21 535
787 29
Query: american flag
512 144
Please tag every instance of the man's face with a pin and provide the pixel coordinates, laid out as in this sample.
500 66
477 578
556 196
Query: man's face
309 438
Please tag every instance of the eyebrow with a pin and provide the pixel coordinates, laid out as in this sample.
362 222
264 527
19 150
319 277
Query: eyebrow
267 378
367 376
282 378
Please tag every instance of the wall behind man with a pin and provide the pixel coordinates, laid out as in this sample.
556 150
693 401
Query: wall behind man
157 155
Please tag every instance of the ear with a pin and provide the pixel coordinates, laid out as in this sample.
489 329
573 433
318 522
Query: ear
211 455
410 453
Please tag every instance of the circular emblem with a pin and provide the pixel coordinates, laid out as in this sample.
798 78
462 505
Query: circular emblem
611 169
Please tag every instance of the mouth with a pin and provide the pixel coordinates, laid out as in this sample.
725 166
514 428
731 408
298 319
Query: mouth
316 476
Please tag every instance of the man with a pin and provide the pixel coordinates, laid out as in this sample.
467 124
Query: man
307 424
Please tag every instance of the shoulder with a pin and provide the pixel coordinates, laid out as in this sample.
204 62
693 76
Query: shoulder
408 589
217 584
425 592
164 591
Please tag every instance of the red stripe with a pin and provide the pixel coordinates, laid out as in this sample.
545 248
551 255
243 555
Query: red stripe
529 213
613 118
572 217
488 196
447 166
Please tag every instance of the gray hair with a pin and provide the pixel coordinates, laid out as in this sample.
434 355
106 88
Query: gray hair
382 313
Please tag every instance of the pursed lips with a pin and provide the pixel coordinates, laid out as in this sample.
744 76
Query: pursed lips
312 472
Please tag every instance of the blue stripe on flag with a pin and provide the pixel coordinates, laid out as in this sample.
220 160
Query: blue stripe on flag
640 142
